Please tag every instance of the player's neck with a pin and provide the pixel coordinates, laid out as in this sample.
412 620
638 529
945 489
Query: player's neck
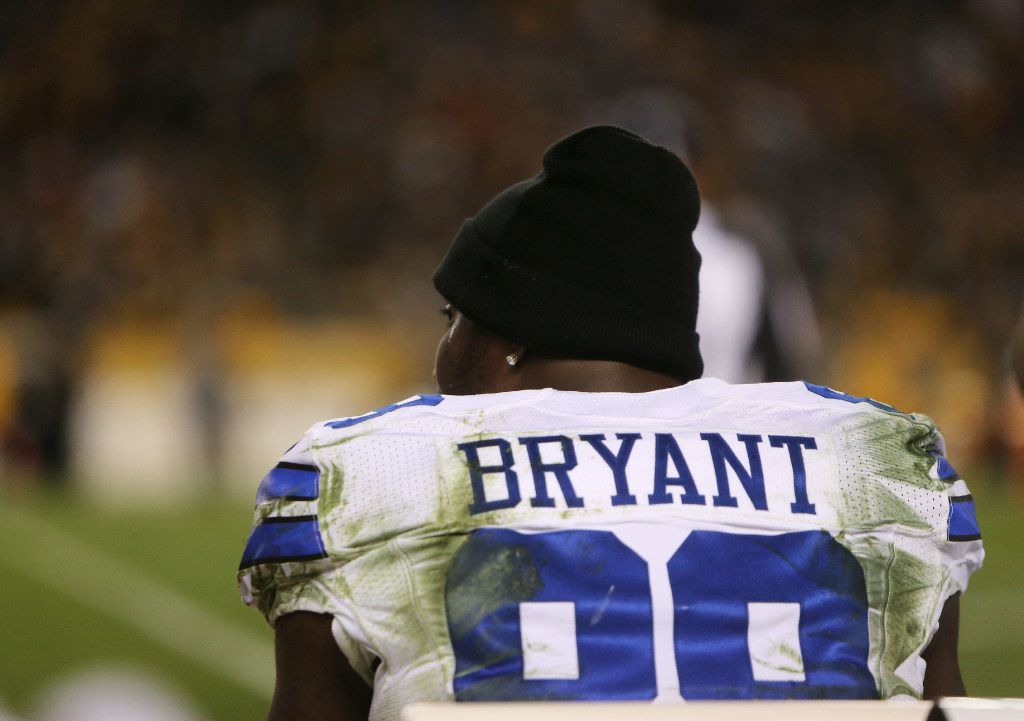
591 376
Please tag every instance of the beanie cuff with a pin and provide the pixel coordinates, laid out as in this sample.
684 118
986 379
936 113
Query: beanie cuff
545 313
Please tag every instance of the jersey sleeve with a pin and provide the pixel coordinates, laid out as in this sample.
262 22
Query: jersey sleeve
914 516
961 545
922 481
937 492
286 565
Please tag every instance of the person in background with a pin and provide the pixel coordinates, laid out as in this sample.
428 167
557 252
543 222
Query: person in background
756 318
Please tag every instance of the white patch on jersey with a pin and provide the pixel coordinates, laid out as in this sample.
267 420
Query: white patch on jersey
773 641
548 631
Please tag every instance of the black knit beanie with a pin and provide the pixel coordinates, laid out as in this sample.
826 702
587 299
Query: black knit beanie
592 258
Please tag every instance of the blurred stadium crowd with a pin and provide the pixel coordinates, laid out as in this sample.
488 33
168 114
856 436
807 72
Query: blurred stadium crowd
204 173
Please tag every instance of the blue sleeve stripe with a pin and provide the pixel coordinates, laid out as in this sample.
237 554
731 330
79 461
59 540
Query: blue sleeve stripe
280 539
420 400
945 469
290 481
826 392
963 519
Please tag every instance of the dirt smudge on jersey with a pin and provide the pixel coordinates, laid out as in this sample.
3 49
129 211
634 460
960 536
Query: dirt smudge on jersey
887 479
904 589
483 578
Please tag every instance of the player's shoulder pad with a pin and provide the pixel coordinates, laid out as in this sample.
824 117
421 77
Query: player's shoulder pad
806 394
863 402
337 430
924 439
919 432
296 477
286 528
400 410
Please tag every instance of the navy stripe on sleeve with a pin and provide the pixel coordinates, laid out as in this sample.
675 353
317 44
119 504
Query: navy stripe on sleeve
279 539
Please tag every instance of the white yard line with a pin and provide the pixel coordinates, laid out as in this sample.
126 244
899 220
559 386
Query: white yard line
54 558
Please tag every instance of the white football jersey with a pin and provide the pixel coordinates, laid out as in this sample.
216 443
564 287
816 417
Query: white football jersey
709 541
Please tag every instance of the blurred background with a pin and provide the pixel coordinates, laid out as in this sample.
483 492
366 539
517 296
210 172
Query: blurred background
218 223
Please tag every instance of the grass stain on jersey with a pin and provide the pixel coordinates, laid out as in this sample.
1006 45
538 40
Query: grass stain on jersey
874 505
905 589
332 506
882 446
485 577
880 449
347 438
793 655
902 587
455 492
332 485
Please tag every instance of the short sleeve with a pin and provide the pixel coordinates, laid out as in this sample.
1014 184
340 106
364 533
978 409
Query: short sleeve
285 546
961 545
286 566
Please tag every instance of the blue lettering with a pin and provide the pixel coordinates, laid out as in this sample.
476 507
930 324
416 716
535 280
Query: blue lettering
795 445
559 470
477 472
617 462
665 447
752 480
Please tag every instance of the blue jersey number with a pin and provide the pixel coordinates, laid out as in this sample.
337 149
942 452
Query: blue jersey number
570 615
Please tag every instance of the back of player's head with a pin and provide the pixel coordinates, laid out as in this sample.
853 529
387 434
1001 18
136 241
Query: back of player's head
592 258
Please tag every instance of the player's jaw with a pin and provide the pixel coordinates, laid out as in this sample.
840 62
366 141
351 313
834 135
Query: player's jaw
470 359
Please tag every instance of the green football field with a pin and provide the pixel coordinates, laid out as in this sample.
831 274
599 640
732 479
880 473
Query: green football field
154 591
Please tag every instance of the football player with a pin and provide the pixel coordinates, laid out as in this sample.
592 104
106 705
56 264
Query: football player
580 516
